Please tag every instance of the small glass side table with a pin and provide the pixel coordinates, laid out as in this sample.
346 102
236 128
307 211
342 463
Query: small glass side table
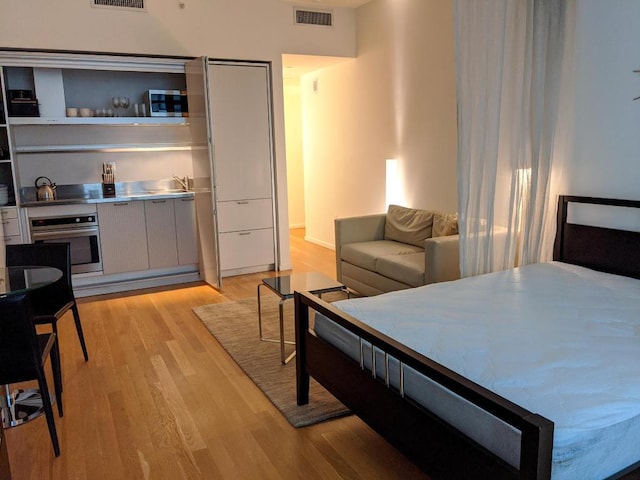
283 287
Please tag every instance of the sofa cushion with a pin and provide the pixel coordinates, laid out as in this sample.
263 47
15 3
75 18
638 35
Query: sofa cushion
408 225
407 268
368 283
445 224
365 254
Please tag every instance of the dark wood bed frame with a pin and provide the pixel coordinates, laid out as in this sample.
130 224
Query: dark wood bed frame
439 449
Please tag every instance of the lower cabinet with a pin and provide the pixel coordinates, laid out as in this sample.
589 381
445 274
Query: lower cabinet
123 237
246 249
246 235
161 233
186 230
10 225
149 234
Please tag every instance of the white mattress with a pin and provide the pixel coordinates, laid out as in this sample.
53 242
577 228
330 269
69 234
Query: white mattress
559 340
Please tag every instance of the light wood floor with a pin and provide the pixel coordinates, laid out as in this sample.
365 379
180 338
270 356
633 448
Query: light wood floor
160 399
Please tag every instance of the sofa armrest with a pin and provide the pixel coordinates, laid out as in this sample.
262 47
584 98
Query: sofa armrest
441 259
357 229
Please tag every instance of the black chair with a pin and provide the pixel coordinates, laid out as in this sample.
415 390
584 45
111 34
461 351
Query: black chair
53 301
23 354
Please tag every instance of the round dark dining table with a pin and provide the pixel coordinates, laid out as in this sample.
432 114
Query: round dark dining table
20 406
15 280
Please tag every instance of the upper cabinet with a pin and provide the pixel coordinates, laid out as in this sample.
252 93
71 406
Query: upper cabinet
241 123
90 92
73 89
75 96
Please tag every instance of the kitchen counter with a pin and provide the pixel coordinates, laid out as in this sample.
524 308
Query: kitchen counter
92 193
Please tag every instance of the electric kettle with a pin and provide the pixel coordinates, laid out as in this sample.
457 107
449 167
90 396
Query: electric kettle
46 190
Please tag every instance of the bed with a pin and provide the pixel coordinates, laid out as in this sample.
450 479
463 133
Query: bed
541 382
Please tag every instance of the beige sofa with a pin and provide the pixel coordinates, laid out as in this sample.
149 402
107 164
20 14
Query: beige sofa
386 252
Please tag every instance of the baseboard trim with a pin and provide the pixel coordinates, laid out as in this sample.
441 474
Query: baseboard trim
315 241
138 284
330 246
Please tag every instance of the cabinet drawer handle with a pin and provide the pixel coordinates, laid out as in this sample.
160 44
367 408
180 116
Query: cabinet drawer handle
121 204
159 201
187 199
244 233
242 203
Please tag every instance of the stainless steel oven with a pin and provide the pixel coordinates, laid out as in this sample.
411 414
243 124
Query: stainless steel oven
81 231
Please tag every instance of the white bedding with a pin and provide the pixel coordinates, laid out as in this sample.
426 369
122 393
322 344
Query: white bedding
559 340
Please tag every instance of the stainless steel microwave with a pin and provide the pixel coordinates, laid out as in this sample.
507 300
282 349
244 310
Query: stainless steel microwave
166 103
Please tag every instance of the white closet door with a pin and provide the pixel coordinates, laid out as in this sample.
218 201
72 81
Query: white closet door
241 131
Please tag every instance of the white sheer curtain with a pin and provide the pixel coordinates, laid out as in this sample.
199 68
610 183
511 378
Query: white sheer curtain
511 58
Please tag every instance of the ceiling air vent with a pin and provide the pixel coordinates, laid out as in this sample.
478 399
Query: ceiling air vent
313 17
127 4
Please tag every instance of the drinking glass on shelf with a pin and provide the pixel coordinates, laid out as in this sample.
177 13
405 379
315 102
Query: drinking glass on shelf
124 103
116 102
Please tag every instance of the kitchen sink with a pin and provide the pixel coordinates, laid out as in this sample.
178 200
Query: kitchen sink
161 191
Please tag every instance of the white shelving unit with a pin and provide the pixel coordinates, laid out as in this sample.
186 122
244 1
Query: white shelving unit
86 81
11 230
6 148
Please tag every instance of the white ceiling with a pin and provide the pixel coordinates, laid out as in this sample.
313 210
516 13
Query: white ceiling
330 3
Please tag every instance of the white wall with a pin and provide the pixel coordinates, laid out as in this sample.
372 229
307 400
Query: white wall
606 152
238 29
295 166
395 100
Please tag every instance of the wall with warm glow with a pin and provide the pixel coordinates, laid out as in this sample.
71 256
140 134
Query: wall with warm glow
295 166
393 190
397 98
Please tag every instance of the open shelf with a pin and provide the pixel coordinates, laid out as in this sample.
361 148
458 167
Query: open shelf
106 148
122 121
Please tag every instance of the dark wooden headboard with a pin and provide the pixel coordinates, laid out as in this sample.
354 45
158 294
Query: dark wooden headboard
603 249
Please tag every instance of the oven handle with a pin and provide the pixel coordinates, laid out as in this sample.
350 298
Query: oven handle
72 232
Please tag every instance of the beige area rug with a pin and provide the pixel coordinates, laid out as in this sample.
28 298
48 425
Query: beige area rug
235 326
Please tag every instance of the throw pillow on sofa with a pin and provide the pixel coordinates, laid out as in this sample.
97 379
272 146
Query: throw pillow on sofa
445 224
408 225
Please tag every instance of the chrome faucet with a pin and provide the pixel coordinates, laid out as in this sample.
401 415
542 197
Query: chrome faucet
183 181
